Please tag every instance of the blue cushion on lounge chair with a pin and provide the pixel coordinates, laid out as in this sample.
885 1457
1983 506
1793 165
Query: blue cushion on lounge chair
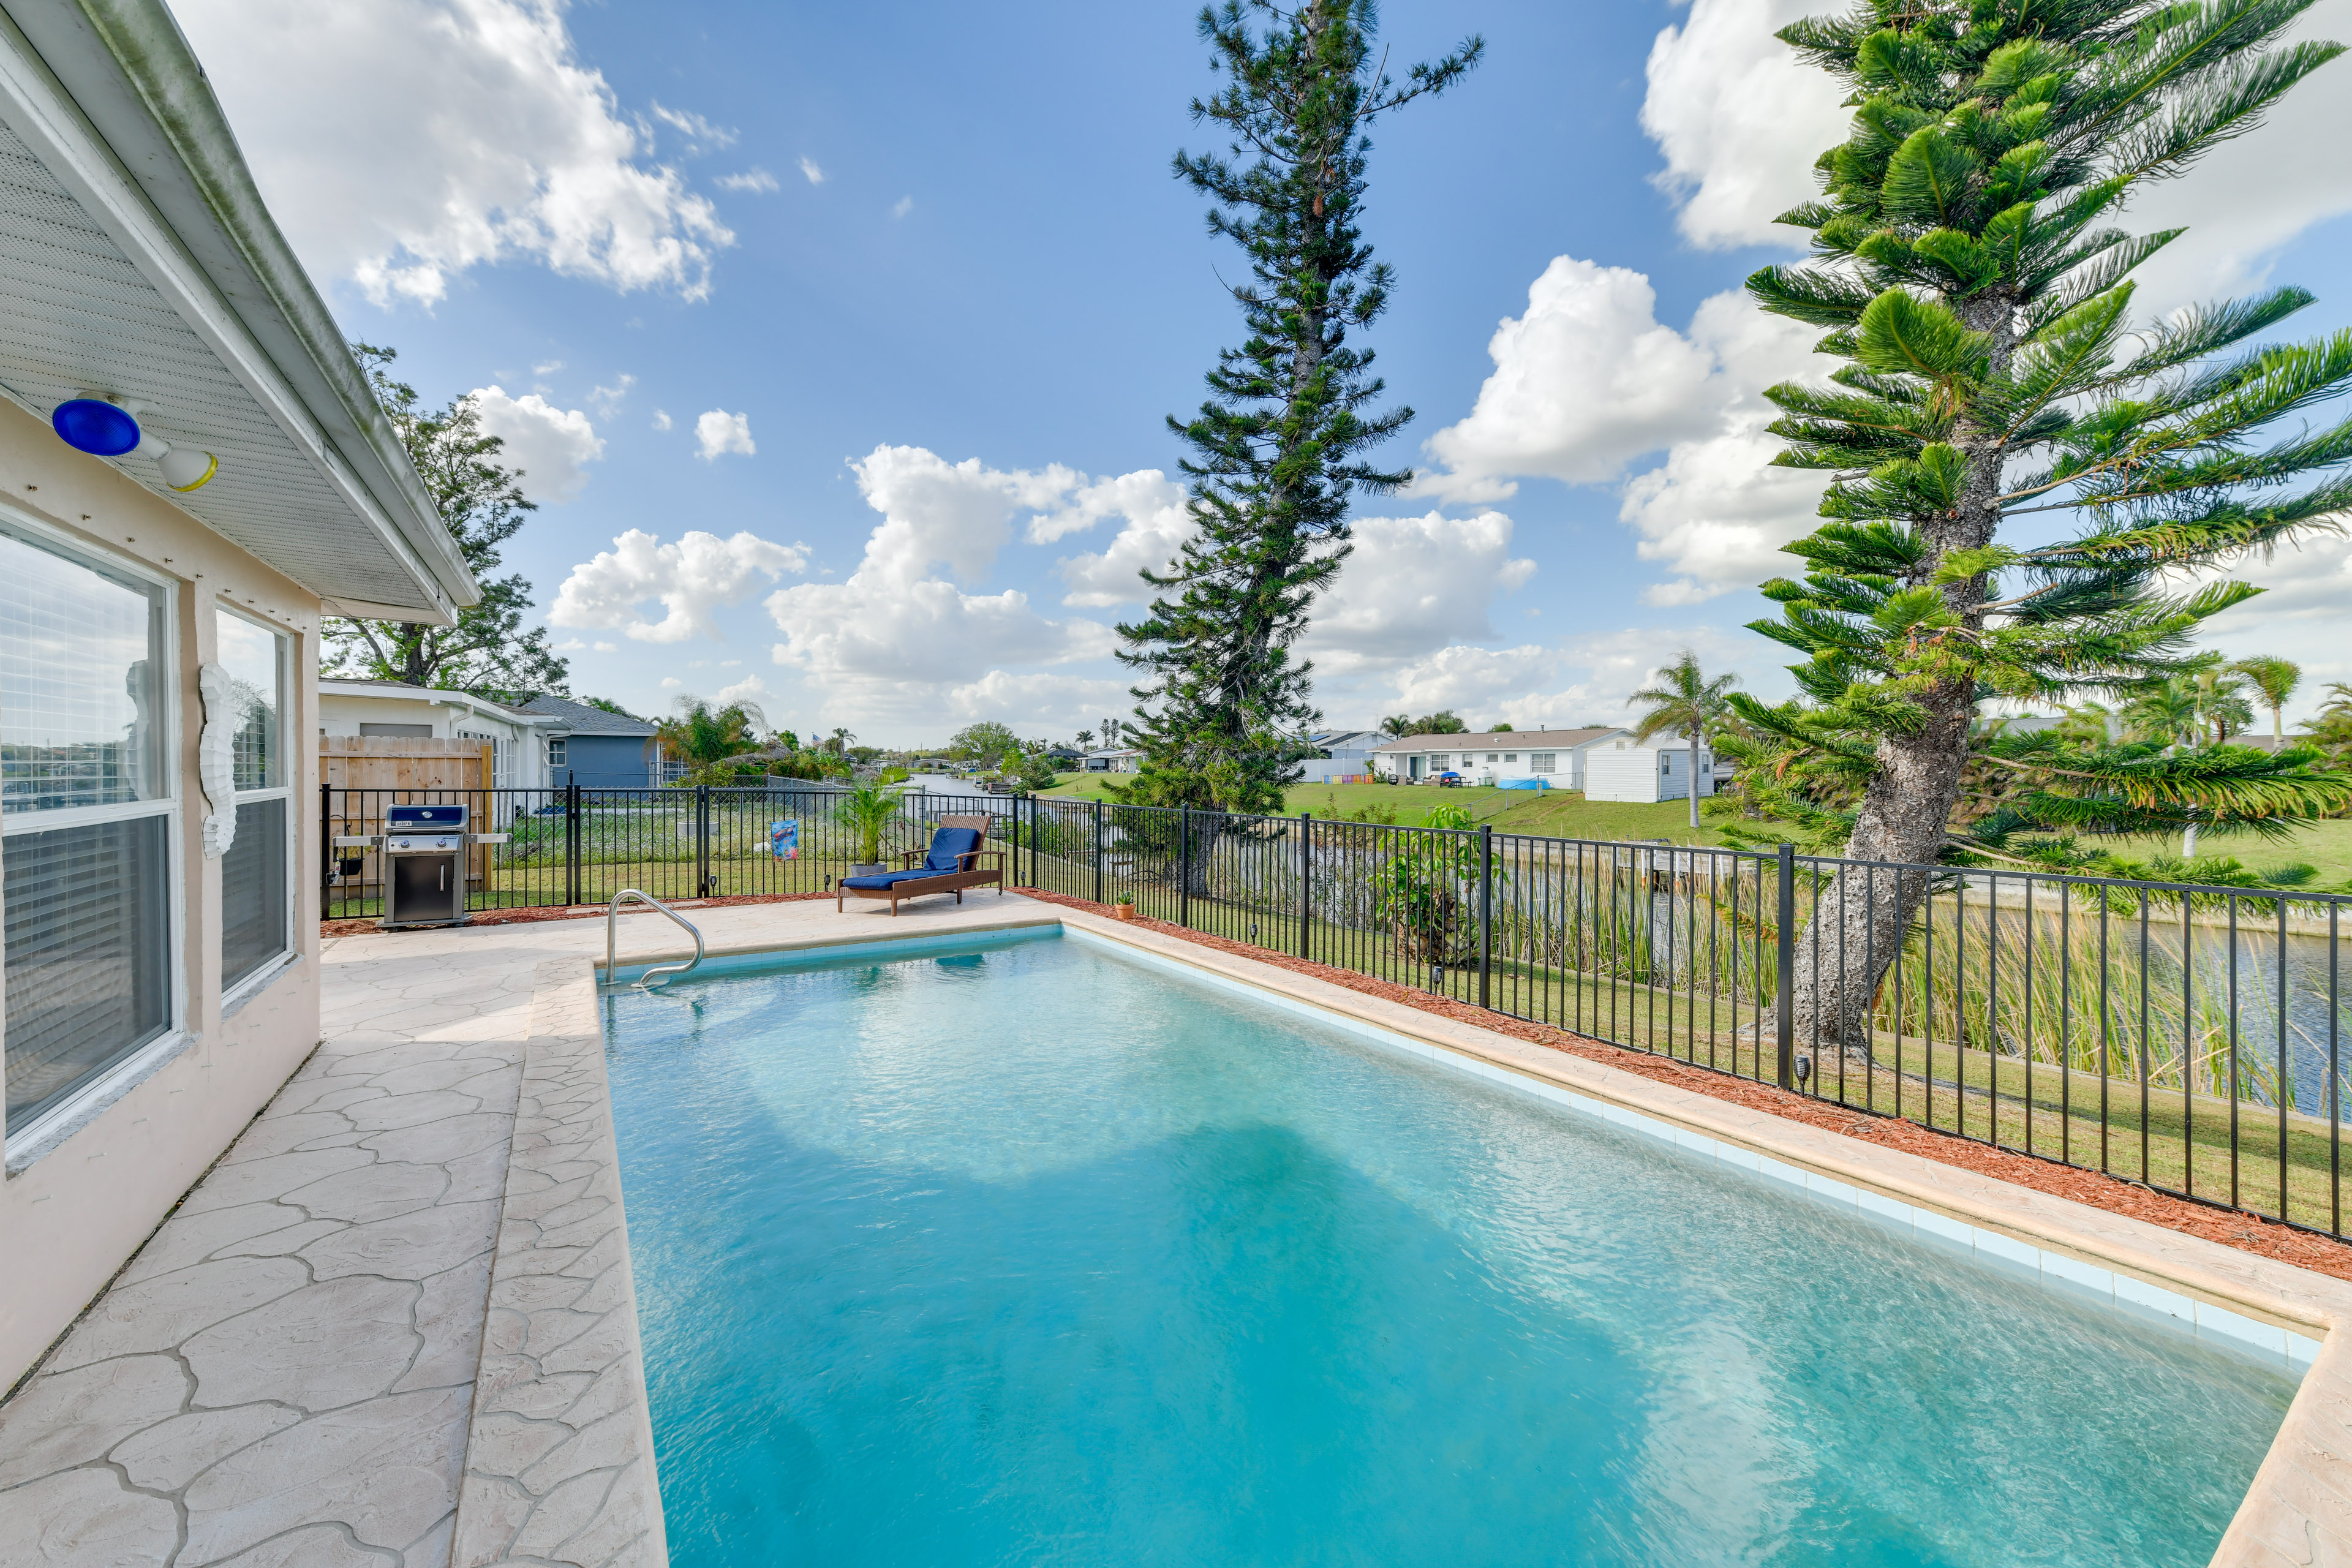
948 846
880 881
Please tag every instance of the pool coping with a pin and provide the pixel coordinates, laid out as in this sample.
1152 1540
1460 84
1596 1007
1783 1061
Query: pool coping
2298 1510
559 1446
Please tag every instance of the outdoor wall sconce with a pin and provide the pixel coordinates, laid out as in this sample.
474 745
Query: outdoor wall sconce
108 427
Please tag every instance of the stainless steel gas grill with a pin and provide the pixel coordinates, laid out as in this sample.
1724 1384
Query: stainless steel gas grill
424 849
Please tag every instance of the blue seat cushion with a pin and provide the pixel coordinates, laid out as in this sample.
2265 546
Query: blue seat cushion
881 880
948 846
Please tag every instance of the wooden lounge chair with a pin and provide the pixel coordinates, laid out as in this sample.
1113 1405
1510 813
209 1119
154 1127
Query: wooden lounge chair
950 865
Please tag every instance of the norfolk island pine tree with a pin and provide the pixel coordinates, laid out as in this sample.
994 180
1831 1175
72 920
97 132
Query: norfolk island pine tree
1278 449
1992 371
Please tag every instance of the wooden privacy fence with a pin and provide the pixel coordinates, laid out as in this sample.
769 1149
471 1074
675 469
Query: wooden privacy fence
390 762
354 768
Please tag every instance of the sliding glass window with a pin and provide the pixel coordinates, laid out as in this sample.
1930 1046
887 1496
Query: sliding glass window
86 811
256 886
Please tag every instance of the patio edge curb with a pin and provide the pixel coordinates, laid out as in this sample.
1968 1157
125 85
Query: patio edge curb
559 1449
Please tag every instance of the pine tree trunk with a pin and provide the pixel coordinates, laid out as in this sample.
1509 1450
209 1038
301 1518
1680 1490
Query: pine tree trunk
1861 913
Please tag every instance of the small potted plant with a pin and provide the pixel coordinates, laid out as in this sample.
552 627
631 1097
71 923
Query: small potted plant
867 811
1123 910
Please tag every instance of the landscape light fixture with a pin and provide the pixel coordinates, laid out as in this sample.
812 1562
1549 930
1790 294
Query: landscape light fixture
108 427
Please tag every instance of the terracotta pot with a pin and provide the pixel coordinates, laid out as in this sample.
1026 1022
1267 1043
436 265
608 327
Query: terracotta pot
1122 912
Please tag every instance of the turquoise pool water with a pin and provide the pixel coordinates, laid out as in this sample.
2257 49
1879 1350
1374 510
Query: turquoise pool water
1027 1254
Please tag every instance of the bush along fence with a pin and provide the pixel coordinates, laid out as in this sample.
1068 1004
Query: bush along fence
2186 1039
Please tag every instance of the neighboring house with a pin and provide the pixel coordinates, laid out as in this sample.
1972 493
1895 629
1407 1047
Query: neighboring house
158 646
1062 758
1113 760
1653 770
395 709
1556 756
1348 756
596 750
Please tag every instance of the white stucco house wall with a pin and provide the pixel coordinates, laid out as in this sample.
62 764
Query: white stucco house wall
1556 756
519 741
228 481
1658 769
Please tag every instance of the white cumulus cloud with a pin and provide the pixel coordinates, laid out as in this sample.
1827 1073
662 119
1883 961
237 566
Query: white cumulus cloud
1740 120
717 432
690 578
957 513
893 639
749 180
1414 584
549 444
1157 526
1586 381
751 689
809 171
404 142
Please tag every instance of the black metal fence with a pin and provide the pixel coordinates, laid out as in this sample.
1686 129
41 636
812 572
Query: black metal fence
2187 1039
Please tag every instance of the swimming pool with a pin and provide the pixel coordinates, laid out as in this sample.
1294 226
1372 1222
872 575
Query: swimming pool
1017 1251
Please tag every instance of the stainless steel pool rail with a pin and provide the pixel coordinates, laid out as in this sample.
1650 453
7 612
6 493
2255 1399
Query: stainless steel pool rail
612 936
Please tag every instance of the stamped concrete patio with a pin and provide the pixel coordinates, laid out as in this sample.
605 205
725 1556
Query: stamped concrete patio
285 1377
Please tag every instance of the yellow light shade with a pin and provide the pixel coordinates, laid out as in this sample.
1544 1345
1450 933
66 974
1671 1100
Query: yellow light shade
186 470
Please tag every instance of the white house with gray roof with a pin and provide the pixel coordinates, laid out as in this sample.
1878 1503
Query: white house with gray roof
1555 756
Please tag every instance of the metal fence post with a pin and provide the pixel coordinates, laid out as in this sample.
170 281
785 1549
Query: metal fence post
1486 912
1037 806
1184 866
1098 887
1305 884
1785 941
572 843
702 841
1017 840
326 843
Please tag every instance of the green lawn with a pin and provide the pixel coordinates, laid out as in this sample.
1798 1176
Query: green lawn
1559 814
1566 814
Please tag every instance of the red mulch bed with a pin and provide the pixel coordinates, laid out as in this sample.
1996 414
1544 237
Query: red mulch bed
2248 1233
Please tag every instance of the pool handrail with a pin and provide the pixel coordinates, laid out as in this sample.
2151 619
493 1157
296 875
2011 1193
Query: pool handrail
612 939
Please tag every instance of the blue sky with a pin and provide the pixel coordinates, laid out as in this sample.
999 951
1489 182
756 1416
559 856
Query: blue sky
929 265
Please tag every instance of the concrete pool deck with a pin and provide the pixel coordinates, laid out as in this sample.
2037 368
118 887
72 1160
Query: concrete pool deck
396 1325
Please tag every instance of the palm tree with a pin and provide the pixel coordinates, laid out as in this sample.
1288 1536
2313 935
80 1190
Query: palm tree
702 735
2165 712
2087 724
1685 700
2222 705
1397 724
2276 679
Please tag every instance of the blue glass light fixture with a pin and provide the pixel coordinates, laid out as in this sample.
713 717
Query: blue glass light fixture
93 426
106 428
